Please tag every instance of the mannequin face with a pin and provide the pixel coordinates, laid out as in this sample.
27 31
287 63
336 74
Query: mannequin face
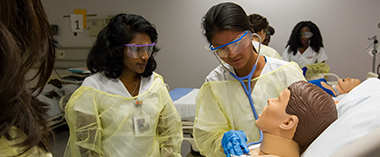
274 114
240 60
348 84
304 41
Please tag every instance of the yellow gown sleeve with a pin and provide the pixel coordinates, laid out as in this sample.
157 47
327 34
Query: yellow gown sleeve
169 127
270 52
210 123
317 68
84 123
10 148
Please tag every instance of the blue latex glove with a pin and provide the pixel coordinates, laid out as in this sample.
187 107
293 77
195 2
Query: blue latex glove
304 70
234 142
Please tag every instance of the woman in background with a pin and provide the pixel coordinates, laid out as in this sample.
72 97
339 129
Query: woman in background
305 47
124 108
26 42
259 26
224 117
269 33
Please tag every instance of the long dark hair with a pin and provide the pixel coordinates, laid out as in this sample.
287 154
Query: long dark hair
224 16
26 42
107 53
294 41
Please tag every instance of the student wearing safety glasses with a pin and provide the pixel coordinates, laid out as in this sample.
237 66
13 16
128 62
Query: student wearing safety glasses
269 33
305 47
225 117
259 26
124 108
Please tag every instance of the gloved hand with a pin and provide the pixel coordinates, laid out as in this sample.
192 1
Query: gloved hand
234 142
304 70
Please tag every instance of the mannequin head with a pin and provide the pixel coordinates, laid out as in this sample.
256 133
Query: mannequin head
274 120
301 113
348 84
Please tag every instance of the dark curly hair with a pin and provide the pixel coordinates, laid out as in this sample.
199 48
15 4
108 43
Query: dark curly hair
294 41
224 16
271 30
107 54
258 22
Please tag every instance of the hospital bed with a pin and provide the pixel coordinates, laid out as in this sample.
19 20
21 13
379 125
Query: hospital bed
56 112
184 101
356 132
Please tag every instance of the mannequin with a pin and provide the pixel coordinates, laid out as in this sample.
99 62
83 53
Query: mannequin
287 123
344 86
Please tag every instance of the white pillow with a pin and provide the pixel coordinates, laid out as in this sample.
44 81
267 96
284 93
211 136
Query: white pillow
358 114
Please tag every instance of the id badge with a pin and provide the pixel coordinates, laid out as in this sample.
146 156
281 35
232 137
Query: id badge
142 126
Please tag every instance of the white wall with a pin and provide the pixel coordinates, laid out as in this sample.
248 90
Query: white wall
183 61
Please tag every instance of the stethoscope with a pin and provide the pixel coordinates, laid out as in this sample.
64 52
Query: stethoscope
248 91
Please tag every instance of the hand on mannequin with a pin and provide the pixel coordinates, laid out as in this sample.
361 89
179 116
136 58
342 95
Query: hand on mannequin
234 142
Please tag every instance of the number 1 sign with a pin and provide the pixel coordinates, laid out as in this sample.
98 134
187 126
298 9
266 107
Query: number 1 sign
76 22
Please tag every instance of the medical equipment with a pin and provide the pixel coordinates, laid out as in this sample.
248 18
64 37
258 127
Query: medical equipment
373 52
137 51
248 90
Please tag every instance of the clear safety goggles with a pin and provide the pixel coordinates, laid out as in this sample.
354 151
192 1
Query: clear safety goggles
137 51
235 46
306 34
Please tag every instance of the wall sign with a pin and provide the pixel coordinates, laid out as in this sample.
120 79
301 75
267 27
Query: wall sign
76 22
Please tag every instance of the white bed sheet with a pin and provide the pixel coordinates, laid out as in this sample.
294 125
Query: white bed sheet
53 103
358 115
185 104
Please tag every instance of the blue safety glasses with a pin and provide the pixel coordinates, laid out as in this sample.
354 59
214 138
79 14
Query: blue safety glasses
236 46
138 51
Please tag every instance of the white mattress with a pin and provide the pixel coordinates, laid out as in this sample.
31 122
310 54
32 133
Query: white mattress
184 101
53 103
358 115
